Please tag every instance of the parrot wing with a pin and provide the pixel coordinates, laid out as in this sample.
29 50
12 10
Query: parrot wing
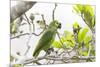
44 42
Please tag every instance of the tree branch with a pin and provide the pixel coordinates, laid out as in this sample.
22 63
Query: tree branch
17 36
28 47
59 58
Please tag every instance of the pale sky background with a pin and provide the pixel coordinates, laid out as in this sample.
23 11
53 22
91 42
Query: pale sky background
63 14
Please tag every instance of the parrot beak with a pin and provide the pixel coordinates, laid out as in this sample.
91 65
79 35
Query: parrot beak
59 26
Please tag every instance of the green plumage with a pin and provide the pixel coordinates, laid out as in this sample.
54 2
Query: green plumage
47 38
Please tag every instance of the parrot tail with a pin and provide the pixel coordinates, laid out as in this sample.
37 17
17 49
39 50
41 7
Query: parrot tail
35 54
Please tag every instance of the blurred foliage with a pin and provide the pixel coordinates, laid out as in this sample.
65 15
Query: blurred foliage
83 40
18 65
76 28
57 44
87 13
81 37
11 58
82 34
67 39
13 28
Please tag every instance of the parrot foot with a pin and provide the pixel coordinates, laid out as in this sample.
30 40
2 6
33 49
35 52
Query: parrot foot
49 51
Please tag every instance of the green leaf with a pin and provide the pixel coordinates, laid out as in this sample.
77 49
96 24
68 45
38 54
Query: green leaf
93 21
82 35
78 8
75 9
88 19
76 25
57 44
93 50
13 28
69 40
85 53
67 36
89 9
87 39
89 16
87 12
69 43
63 39
18 65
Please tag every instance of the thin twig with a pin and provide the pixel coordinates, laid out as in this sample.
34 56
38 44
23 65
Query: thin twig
53 16
33 26
27 19
62 43
33 32
26 34
59 37
28 47
23 24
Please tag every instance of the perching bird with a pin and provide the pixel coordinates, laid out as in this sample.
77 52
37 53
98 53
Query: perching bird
47 38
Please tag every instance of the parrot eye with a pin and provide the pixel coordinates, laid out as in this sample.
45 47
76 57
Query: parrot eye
56 23
59 25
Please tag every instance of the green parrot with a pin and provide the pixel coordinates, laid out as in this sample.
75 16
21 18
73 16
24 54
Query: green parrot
47 38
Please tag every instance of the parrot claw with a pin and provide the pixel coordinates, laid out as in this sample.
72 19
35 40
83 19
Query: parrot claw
49 51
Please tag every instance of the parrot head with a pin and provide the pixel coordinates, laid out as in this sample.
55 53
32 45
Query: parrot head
55 24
